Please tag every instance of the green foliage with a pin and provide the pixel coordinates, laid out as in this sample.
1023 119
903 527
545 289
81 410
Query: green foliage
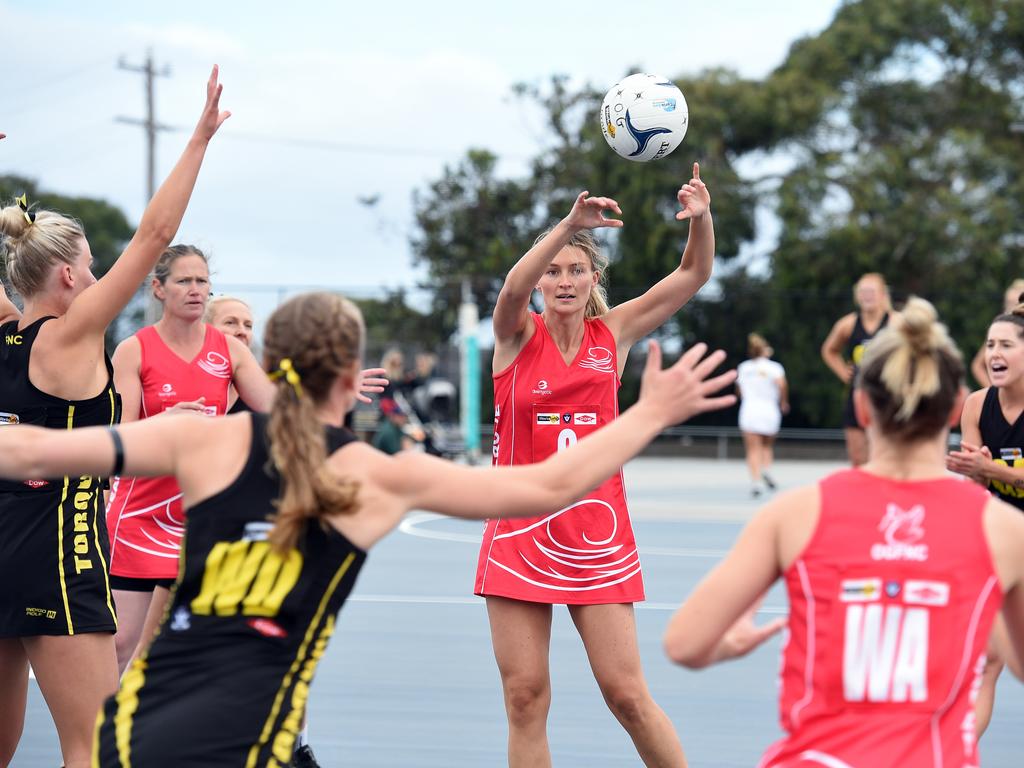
471 225
390 320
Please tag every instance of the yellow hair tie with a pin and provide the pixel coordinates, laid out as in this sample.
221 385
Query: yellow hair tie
286 369
22 202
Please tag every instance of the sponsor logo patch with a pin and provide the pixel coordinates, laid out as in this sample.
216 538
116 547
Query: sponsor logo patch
1011 454
542 388
547 418
37 483
9 418
267 628
892 588
584 418
256 531
40 613
860 590
566 418
919 592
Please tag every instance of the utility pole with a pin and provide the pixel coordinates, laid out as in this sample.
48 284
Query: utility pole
150 123
151 126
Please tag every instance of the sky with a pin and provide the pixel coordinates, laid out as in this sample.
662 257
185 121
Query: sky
331 103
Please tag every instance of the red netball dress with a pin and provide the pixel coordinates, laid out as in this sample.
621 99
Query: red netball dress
891 605
145 517
584 553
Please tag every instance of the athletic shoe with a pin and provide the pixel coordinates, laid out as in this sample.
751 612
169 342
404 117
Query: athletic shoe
755 490
304 758
768 481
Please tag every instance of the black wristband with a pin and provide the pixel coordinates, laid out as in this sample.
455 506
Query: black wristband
118 452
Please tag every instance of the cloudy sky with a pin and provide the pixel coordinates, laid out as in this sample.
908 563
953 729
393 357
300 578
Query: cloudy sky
332 102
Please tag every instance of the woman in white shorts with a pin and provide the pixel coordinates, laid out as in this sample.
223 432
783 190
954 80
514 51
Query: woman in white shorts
761 385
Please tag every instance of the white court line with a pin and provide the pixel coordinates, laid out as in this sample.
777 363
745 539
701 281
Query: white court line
413 526
463 600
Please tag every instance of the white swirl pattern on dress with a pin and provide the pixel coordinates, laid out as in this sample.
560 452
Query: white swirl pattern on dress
611 565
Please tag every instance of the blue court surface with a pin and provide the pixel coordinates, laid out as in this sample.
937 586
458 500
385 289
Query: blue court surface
410 680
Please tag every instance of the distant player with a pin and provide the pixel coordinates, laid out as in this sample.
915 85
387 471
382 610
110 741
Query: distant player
281 512
895 572
764 398
844 347
556 379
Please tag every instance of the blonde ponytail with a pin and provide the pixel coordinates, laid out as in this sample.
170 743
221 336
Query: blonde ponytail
33 243
912 372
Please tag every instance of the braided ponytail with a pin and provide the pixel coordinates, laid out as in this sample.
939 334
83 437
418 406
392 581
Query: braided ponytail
311 339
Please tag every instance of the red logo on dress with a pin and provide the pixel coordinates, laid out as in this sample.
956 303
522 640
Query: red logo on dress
598 359
216 364
37 483
267 628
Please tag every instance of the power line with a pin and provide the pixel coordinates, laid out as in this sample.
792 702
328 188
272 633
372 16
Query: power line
391 150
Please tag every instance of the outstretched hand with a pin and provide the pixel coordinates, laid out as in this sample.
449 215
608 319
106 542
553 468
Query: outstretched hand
588 212
744 636
212 118
684 389
693 196
372 380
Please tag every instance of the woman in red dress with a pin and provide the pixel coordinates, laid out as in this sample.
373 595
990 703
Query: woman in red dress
556 379
895 573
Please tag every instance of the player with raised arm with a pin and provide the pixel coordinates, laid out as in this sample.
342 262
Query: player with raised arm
56 609
281 512
556 379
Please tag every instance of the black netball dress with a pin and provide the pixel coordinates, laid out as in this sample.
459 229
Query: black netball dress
53 535
226 680
855 347
1005 441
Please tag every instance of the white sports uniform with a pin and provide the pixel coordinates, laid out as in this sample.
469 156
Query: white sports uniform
759 381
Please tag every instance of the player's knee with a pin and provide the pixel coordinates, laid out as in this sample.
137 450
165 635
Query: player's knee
628 700
527 699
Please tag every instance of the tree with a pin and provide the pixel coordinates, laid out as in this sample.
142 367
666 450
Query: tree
471 226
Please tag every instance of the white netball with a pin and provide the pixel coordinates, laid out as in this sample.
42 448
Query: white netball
644 117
